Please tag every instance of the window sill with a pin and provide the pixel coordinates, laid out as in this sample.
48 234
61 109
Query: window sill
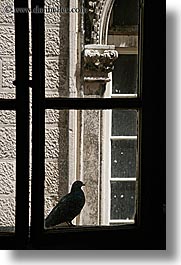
89 228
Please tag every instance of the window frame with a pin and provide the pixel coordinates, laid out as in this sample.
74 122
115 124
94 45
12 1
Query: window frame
19 238
139 236
81 237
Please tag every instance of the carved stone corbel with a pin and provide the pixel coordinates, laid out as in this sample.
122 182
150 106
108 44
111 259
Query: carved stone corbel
98 63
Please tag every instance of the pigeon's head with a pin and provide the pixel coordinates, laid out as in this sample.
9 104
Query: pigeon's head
77 185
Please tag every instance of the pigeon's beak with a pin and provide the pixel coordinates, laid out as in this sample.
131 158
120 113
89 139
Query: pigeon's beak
83 184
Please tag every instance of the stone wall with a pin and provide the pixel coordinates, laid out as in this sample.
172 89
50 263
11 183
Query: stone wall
7 51
7 168
7 119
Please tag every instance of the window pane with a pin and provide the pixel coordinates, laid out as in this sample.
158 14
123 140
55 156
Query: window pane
76 148
123 200
72 152
56 157
124 122
125 75
7 169
56 49
123 158
126 12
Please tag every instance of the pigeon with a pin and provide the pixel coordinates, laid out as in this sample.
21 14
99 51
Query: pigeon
68 207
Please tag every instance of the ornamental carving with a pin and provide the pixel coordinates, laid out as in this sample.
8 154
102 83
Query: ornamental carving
98 63
100 60
96 19
92 21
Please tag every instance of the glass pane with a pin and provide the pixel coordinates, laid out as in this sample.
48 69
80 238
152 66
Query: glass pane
7 50
56 157
56 49
125 75
7 169
126 12
72 152
76 148
74 69
123 158
124 122
123 200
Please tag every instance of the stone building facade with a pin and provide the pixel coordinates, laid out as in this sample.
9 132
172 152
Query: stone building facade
7 119
80 52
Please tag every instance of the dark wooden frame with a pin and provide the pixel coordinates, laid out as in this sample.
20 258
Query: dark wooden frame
150 230
19 239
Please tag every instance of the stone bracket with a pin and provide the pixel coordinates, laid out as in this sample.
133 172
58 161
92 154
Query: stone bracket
98 63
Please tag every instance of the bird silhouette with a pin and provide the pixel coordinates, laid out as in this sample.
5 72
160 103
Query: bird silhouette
68 207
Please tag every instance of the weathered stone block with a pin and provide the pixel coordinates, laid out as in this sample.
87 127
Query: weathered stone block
7 40
51 14
91 177
90 212
56 179
91 148
51 177
7 143
91 138
7 211
7 117
64 71
52 74
63 144
51 94
57 116
52 41
6 12
56 72
56 41
8 73
92 122
64 119
56 143
7 178
0 73
51 116
52 142
91 171
8 95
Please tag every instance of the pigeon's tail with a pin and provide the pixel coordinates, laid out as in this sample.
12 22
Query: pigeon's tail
55 217
49 221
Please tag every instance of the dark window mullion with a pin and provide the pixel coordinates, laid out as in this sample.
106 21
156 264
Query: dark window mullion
38 122
92 103
7 104
22 123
